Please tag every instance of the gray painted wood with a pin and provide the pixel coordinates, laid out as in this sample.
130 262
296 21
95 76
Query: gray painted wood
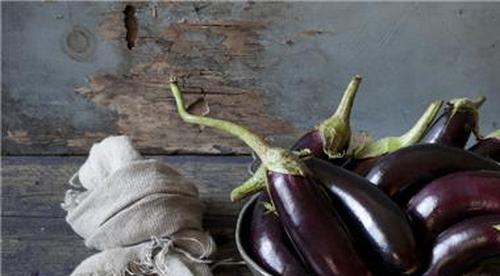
279 68
37 241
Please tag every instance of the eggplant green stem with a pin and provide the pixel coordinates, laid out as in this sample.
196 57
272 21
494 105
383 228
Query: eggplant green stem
253 141
336 130
345 106
393 143
274 159
253 185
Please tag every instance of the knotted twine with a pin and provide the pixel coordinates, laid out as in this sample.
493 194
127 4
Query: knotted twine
143 215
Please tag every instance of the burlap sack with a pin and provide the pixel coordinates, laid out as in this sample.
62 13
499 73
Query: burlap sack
143 215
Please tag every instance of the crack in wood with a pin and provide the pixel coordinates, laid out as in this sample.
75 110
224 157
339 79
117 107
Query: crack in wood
131 25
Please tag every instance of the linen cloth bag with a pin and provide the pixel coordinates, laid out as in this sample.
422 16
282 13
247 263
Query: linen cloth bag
144 216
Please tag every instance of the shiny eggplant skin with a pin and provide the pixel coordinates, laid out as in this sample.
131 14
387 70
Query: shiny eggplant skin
403 173
361 166
311 140
464 245
313 225
451 129
381 229
452 198
489 147
269 245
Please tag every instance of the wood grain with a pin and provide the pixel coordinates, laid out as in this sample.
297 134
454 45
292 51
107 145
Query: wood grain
216 56
37 241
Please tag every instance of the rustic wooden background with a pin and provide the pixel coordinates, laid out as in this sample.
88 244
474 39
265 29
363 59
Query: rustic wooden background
76 72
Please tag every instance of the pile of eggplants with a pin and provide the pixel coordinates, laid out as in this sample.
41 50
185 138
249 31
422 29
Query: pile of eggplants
414 204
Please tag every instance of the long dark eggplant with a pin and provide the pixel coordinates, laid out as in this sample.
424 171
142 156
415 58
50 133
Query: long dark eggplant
455 124
301 202
268 243
313 225
452 198
329 140
464 245
403 173
488 147
381 229
366 155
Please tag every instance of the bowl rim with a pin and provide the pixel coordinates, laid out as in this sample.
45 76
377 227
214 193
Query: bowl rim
248 260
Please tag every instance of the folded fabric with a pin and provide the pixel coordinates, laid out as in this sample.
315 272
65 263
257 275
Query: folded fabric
143 215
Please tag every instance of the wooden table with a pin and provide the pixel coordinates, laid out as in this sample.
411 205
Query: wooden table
36 240
76 72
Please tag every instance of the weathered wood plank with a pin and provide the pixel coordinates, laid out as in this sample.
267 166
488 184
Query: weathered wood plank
215 54
37 241
69 78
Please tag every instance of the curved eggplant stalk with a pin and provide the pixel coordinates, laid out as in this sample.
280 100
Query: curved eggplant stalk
300 201
393 143
454 126
489 146
464 245
328 140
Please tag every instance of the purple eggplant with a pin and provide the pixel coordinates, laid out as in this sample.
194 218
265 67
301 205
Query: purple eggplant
381 229
366 155
329 140
361 166
455 124
452 198
268 243
489 146
313 225
403 173
464 245
302 204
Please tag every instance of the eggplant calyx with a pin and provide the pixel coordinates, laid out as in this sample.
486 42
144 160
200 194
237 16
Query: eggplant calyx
393 143
257 181
251 186
283 161
466 103
461 104
336 131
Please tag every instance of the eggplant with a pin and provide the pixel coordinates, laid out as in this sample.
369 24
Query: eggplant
488 147
452 198
488 267
464 245
403 173
302 204
382 232
455 124
313 225
329 140
361 166
268 243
